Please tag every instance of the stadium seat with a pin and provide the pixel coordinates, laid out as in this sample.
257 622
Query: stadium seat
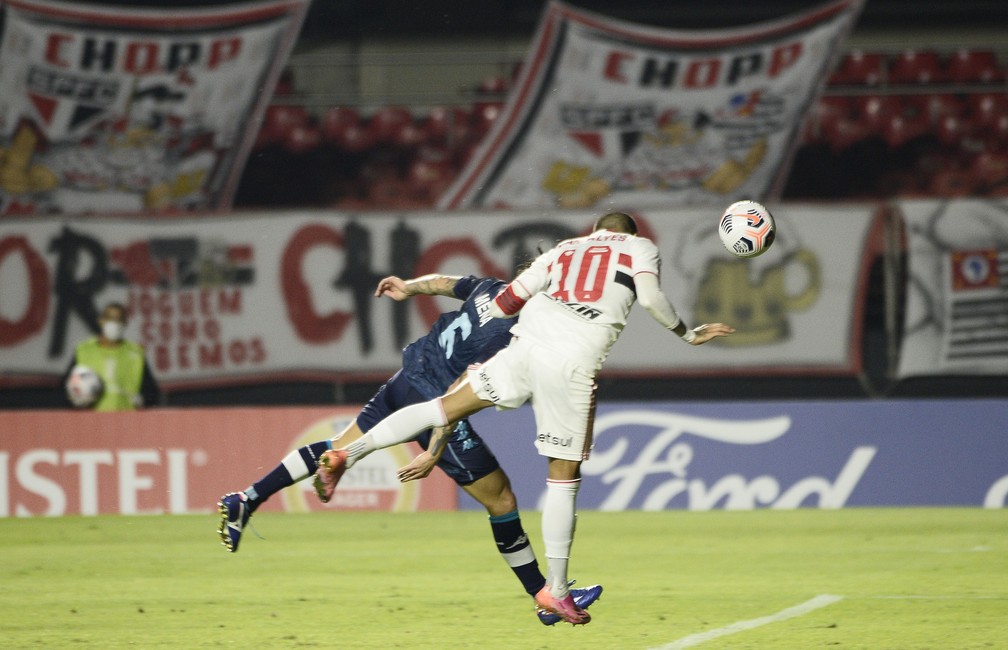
336 120
875 111
355 138
302 138
986 108
916 67
974 66
951 130
842 133
859 68
386 122
991 168
279 120
495 86
485 115
448 125
899 129
949 183
408 135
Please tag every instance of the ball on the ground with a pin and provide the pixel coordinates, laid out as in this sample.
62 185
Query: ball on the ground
84 387
747 229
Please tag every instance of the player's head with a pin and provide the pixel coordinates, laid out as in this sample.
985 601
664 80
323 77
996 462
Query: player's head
617 222
113 321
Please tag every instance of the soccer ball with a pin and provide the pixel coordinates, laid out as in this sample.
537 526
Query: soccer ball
746 229
84 386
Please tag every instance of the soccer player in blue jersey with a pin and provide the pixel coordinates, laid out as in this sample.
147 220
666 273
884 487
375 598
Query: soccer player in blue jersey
431 364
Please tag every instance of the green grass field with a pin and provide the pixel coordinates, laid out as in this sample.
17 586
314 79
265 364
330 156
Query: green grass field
907 578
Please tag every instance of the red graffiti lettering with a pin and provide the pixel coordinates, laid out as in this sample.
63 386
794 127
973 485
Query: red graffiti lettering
34 317
309 324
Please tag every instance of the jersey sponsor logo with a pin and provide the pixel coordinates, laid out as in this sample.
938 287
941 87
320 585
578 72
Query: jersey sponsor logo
488 386
584 311
556 441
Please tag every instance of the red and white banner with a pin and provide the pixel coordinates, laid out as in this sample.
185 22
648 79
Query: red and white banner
260 297
180 461
956 319
610 113
112 109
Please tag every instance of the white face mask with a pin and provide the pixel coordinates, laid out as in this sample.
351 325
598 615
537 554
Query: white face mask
113 330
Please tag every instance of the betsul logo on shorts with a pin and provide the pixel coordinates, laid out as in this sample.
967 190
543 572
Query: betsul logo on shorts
554 441
488 388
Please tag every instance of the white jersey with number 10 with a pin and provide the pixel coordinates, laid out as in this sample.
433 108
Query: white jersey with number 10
583 290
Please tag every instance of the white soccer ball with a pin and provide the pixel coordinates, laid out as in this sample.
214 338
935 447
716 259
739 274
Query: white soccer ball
747 229
84 386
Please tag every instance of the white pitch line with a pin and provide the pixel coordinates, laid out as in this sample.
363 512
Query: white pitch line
822 600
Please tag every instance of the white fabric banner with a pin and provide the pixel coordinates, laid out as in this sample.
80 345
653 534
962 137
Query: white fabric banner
111 109
608 113
956 319
256 297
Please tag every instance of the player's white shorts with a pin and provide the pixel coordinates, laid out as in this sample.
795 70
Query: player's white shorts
562 395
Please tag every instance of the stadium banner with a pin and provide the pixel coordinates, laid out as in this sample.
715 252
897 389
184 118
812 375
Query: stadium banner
264 297
784 455
180 461
609 113
113 109
957 288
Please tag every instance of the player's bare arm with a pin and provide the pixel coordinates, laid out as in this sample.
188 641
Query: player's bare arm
421 466
433 284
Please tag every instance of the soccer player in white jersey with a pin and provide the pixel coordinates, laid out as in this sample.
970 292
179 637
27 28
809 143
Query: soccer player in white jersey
573 303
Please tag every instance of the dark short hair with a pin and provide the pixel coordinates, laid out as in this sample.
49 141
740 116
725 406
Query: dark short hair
617 222
116 305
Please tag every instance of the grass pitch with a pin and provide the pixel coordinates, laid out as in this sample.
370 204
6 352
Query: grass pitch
907 578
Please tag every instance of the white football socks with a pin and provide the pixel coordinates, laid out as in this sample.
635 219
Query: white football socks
403 425
559 516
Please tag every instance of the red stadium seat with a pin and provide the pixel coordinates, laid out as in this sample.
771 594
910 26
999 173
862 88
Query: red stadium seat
279 120
408 136
302 138
486 114
986 108
386 122
953 183
952 130
336 120
859 68
898 130
916 67
355 138
875 111
974 66
991 168
448 125
842 133
494 85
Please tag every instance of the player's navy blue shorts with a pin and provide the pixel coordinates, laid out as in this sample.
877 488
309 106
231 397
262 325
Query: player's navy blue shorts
466 459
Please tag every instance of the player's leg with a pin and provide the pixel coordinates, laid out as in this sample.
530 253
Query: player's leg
564 406
469 462
407 423
236 507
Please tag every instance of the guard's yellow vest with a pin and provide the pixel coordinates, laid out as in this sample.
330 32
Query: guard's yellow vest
121 369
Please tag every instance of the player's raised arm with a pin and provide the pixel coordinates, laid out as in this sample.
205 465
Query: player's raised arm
433 284
654 300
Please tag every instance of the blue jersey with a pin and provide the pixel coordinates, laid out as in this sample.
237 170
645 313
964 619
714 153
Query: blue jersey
458 339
